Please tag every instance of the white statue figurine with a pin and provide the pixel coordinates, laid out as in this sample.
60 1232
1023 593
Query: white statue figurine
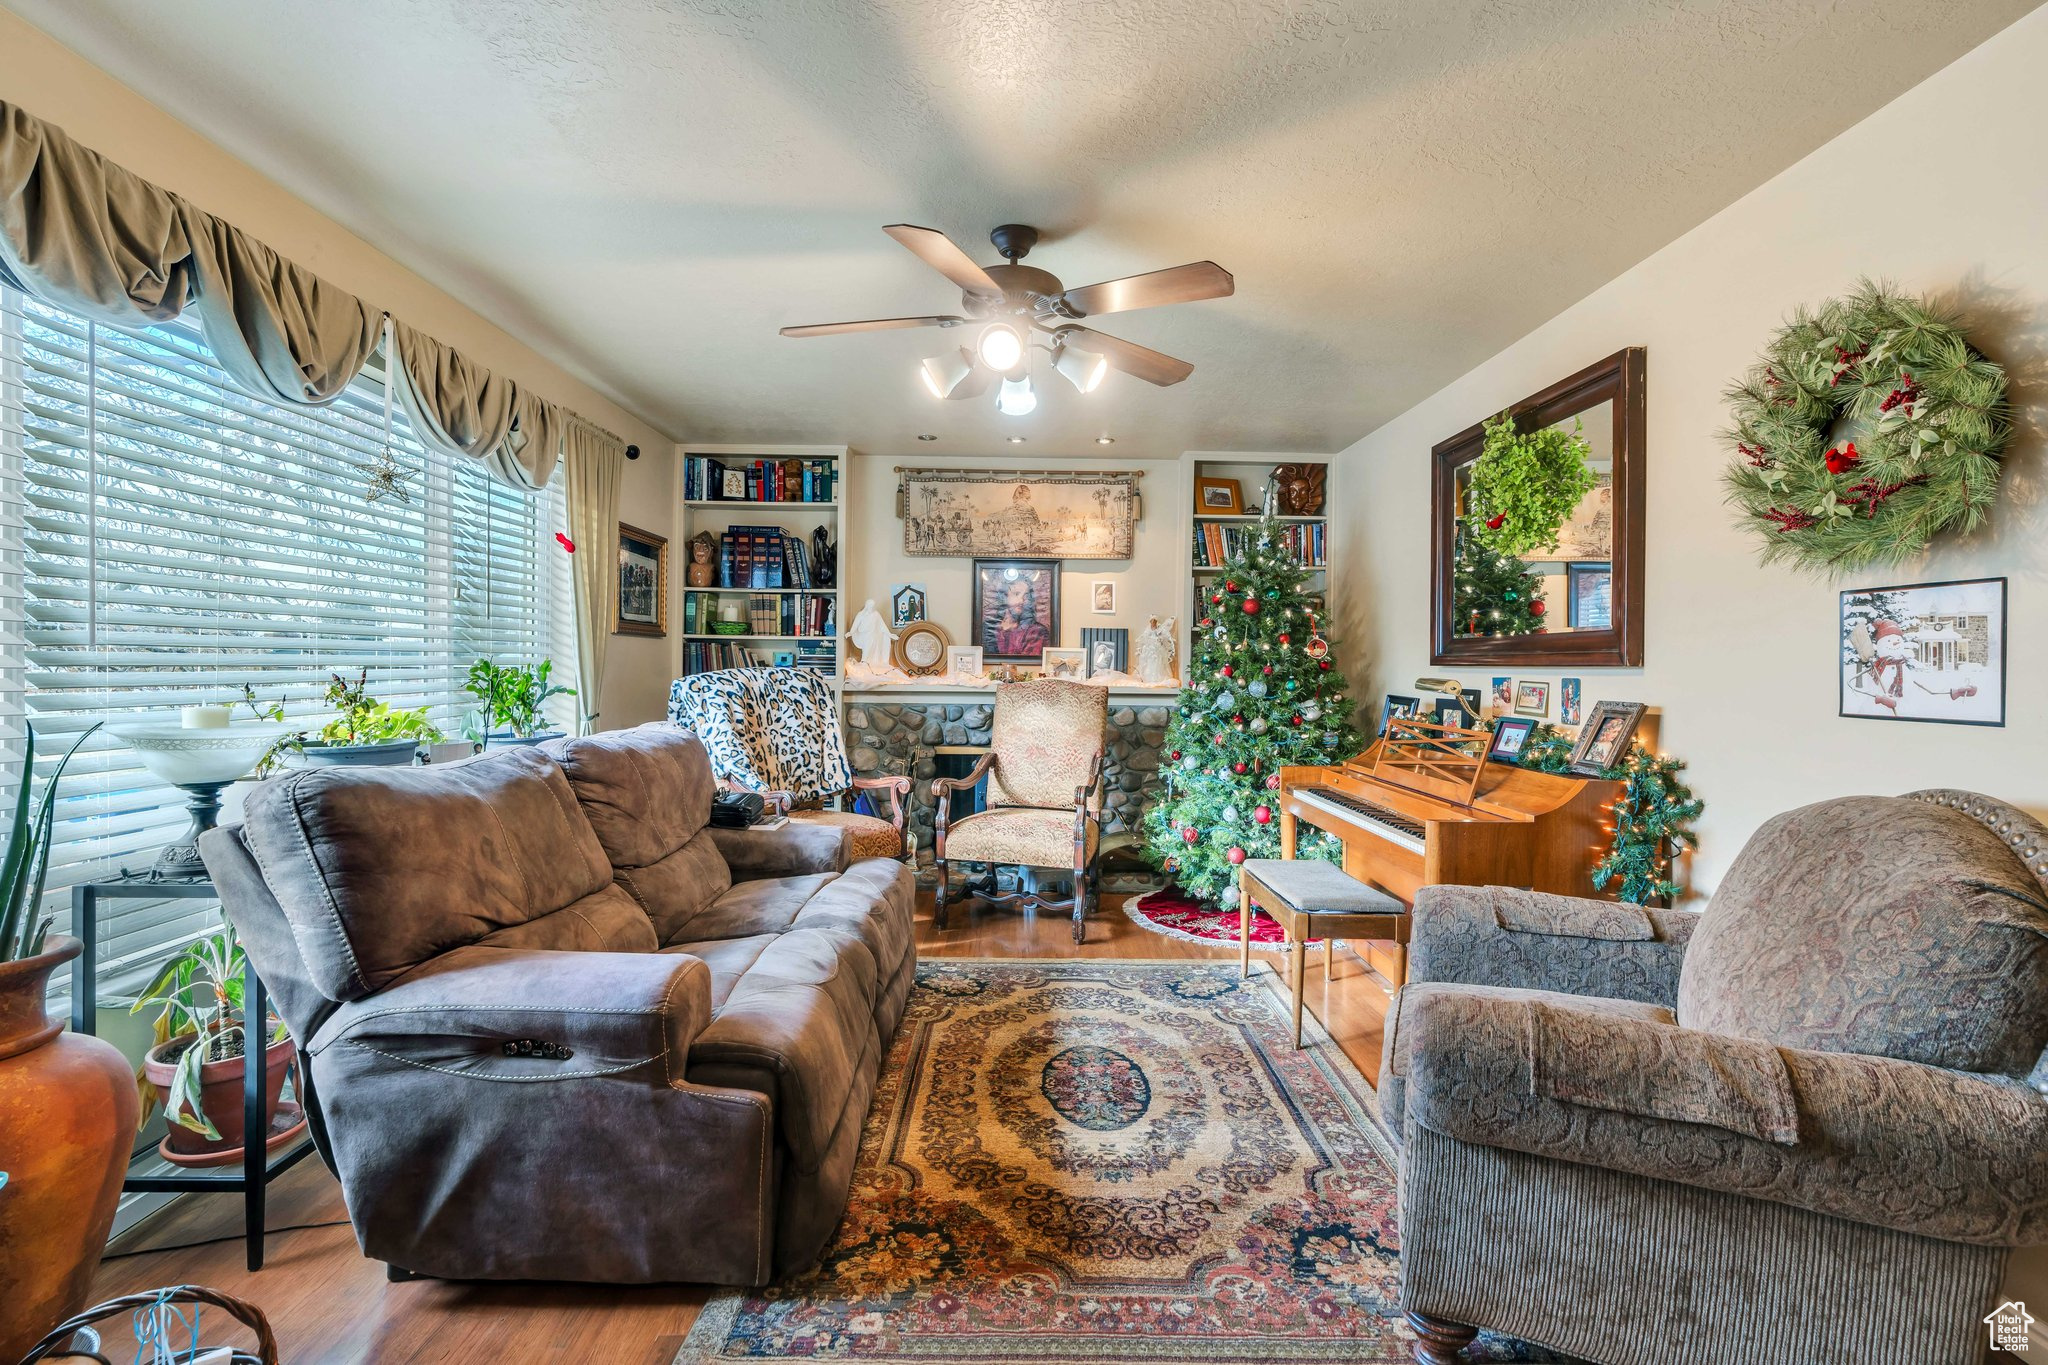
1156 647
871 636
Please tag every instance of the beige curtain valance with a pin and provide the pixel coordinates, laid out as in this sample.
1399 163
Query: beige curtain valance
80 232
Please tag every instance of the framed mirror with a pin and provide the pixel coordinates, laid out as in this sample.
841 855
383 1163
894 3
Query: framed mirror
1577 603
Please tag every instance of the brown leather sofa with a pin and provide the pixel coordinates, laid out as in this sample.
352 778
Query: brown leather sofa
559 1028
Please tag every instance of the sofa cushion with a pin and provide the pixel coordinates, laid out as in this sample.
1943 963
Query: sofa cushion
760 905
380 869
1879 925
647 793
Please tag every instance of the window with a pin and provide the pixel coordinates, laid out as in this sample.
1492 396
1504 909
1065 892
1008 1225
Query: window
166 539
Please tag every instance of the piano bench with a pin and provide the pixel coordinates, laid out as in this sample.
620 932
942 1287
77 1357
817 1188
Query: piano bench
1309 898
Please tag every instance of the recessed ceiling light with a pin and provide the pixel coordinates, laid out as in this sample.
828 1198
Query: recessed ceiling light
1015 440
1105 440
927 438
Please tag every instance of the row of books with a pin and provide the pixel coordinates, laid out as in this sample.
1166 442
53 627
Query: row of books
764 480
706 656
766 613
763 557
1216 543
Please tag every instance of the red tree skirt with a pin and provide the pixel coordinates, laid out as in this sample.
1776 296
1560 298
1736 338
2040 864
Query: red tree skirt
1174 913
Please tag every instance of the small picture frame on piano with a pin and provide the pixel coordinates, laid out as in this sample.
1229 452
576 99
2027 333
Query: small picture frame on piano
1398 707
1510 733
1604 738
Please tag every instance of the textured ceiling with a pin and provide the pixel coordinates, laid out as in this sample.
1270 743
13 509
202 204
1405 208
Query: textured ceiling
647 189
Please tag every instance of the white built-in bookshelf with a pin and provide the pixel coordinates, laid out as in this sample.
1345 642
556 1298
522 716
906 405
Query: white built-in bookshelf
779 617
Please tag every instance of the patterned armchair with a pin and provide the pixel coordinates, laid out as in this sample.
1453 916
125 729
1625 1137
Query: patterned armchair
775 731
1044 770
1806 1125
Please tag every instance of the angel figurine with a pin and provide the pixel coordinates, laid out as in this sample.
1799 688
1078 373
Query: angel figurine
871 636
1156 647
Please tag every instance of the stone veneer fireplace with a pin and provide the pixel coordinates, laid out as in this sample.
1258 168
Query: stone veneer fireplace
896 737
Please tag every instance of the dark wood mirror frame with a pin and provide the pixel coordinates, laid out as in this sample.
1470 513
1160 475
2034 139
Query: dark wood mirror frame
1619 378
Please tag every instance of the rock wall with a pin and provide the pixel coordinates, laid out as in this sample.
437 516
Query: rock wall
893 738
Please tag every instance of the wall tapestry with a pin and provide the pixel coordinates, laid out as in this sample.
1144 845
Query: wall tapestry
997 512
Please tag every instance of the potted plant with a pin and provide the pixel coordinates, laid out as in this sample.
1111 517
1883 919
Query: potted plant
512 695
196 1065
58 1202
366 732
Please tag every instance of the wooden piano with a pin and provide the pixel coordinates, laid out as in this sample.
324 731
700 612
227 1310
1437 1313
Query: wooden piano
1423 807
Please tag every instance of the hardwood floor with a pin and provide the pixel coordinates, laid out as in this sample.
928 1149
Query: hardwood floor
328 1304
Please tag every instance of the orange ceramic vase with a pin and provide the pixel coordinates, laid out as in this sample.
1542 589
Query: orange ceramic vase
68 1112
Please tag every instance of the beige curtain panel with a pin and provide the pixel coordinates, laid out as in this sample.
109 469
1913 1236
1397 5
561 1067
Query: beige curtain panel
593 470
82 233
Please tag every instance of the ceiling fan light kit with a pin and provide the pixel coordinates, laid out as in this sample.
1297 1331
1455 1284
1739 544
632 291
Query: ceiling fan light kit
1012 297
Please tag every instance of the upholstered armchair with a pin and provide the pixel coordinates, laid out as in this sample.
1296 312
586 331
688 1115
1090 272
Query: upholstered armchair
775 732
1044 771
1805 1125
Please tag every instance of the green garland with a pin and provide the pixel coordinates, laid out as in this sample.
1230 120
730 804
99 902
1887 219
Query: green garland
1524 484
1927 414
1655 816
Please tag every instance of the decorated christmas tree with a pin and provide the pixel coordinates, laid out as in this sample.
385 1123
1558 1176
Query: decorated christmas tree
1261 690
1494 594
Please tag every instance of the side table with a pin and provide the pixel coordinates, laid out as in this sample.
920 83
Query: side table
259 1167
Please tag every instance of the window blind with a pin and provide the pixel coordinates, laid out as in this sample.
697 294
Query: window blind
170 540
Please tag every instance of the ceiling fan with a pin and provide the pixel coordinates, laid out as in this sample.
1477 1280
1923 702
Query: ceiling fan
1009 302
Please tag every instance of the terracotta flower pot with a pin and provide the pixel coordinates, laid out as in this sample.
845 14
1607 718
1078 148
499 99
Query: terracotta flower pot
67 1120
220 1094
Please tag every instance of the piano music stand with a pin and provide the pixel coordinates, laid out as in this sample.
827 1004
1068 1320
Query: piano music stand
1444 761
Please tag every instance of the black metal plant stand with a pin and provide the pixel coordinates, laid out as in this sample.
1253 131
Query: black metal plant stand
259 1167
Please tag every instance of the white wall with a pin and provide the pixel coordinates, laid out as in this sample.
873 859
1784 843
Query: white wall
1944 191
54 83
1149 583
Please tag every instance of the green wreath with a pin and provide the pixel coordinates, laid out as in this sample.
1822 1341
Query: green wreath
1925 422
1524 484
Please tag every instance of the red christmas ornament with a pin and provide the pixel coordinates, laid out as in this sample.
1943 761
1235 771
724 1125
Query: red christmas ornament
1231 586
1294 719
1273 783
1227 670
1269 670
1237 719
1236 854
1216 598
1191 835
1285 638
1219 737
1536 608
1176 755
1264 815
1323 664
1843 458
1238 768
1207 622
1494 523
1251 606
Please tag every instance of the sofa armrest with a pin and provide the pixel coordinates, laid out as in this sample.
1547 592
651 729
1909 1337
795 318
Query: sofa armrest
799 848
1500 936
1874 1140
502 1014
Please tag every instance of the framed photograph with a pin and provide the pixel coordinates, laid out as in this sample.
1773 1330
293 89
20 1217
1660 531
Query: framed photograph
1016 608
906 603
1588 595
1532 699
1503 694
963 663
1448 712
1102 597
1603 740
733 487
1398 707
1930 652
785 658
1110 642
1509 735
643 583
1070 665
1568 707
1218 498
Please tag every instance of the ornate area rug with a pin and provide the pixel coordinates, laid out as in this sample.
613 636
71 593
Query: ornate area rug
1176 914
1101 1161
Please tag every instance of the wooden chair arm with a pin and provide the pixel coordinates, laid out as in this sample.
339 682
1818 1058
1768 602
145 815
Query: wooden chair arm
941 786
899 792
1086 789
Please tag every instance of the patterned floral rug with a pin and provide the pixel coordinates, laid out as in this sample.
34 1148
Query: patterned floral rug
1176 914
1101 1161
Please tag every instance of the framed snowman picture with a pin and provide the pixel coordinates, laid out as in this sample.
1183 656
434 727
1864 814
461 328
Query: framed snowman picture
1925 651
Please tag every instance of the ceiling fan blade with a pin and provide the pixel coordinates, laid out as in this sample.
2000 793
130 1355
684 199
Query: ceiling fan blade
1179 284
1142 362
826 329
936 250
